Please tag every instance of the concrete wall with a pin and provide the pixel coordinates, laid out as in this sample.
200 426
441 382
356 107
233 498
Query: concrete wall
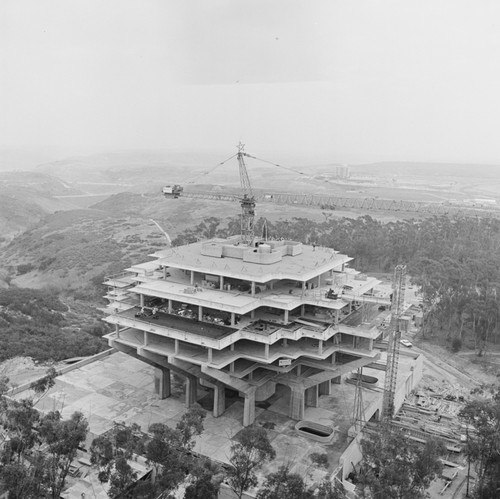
63 370
352 455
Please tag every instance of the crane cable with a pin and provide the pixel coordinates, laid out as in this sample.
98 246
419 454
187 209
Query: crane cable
276 164
207 172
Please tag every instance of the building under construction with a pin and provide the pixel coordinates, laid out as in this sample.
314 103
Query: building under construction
269 323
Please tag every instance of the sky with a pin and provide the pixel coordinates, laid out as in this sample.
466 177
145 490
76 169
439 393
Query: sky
340 80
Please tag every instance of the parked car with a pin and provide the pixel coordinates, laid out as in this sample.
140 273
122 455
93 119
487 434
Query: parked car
406 343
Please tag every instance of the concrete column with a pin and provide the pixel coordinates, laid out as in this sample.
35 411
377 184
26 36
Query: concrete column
285 318
176 346
117 330
141 298
325 388
231 367
320 347
319 281
334 359
146 338
219 400
343 267
169 306
303 310
371 343
252 314
296 409
164 272
231 347
209 359
200 313
253 288
233 318
312 396
285 342
299 369
191 390
249 409
303 289
337 313
271 285
162 382
250 376
221 282
266 350
192 277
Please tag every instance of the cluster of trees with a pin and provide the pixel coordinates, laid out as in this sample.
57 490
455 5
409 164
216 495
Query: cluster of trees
395 467
452 260
482 420
31 323
36 451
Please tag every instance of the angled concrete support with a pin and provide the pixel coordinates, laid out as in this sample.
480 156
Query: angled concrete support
191 390
325 388
249 409
312 396
219 400
296 409
162 382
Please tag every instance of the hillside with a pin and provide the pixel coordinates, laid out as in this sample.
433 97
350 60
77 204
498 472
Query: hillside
26 197
39 325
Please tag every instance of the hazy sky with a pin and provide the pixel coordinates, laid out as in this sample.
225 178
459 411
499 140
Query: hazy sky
337 79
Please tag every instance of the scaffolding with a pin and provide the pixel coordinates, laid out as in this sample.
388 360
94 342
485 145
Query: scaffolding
391 373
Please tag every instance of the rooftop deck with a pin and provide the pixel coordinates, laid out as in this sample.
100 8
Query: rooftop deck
306 265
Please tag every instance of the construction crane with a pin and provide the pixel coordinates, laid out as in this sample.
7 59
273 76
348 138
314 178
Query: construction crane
247 202
391 373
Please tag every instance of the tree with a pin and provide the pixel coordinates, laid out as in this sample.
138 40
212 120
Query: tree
482 418
167 452
394 467
40 450
62 437
284 485
331 490
248 454
206 483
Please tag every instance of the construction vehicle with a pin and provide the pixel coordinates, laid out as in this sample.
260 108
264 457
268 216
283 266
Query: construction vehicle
172 191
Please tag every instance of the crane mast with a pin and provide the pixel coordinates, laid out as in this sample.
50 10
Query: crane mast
247 202
391 373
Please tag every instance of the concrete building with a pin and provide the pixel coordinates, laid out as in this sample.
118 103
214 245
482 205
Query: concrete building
277 318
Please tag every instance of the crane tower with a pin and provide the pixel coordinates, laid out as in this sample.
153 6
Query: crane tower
391 373
247 202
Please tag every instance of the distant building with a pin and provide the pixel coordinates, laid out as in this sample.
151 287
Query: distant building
342 172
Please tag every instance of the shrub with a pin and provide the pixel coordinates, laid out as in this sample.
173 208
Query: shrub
456 345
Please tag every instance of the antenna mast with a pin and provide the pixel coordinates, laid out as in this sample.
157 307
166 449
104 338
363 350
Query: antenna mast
247 202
